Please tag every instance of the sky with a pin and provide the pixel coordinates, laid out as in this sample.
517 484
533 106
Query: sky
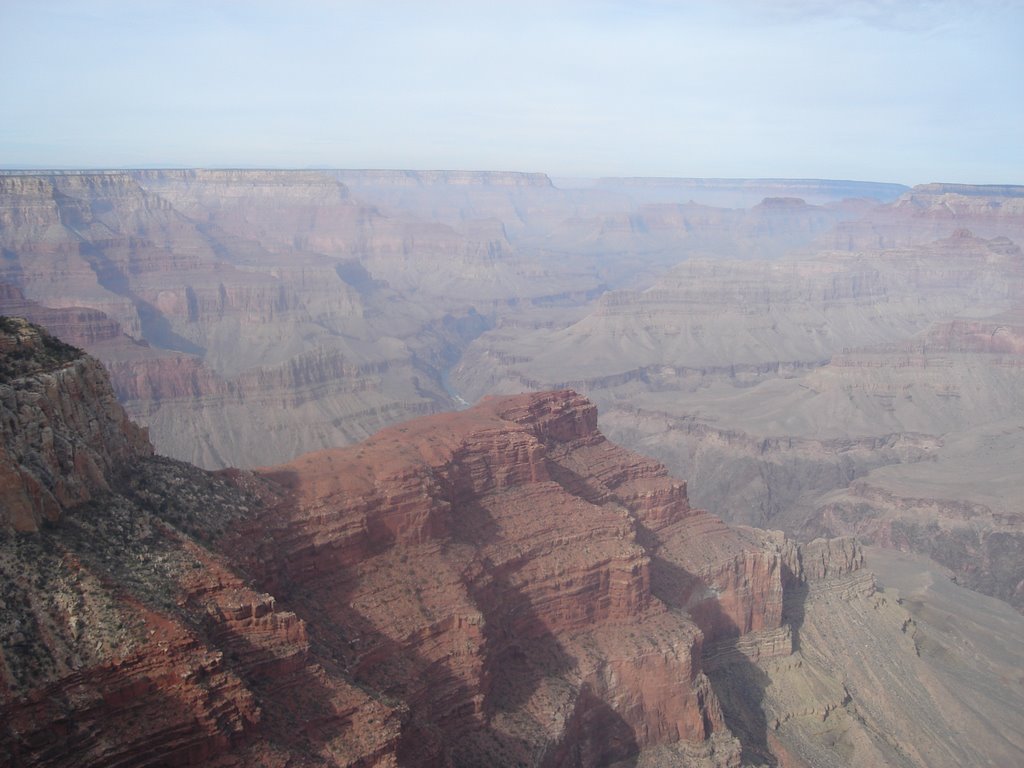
906 91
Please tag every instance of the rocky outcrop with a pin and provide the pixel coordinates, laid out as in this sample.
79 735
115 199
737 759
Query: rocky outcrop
887 669
124 638
535 604
63 433
821 559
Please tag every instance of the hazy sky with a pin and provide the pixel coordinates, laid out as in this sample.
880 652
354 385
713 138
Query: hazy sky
887 90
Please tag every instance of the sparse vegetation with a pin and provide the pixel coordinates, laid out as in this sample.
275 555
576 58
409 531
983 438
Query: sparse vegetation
26 349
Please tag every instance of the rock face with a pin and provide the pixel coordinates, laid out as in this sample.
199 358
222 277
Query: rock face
62 433
879 678
743 319
128 641
221 307
932 211
822 366
508 629
124 638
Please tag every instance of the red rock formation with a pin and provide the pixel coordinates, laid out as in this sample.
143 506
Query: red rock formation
223 672
494 567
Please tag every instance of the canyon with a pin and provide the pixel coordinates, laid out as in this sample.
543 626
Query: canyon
501 586
817 359
317 307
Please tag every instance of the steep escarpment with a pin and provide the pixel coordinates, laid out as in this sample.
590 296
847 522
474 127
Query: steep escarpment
127 640
741 321
828 396
875 716
216 320
313 212
78 326
962 509
271 301
904 668
62 433
494 568
323 397
961 504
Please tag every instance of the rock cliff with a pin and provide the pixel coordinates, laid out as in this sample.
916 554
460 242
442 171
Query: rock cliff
273 296
495 567
843 394
62 433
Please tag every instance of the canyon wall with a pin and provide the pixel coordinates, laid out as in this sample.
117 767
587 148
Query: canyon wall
412 603
497 586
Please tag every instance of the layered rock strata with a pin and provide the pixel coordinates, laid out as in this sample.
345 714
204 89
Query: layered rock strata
930 211
510 629
884 675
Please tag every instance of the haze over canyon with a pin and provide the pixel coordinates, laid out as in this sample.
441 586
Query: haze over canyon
450 468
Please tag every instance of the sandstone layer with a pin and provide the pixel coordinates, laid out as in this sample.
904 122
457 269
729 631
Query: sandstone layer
514 631
125 639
